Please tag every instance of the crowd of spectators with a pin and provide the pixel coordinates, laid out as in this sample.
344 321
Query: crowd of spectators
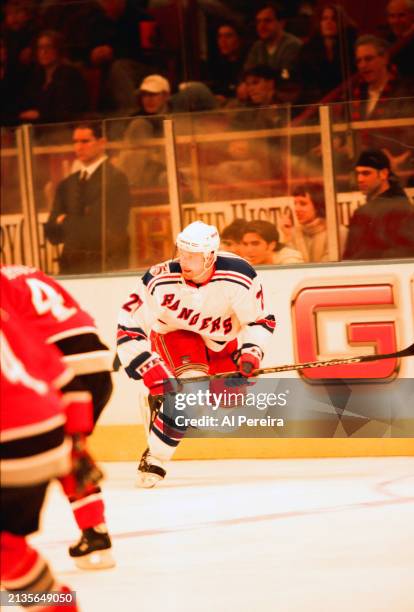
253 67
303 235
113 59
93 54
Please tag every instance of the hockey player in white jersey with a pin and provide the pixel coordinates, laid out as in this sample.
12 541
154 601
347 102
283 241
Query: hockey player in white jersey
201 313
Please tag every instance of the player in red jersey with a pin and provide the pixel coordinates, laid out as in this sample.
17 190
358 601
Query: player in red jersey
37 422
58 319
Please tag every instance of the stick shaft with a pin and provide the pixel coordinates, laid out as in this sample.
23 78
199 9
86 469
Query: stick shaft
407 352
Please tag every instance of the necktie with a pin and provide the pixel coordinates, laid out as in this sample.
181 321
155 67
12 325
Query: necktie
83 178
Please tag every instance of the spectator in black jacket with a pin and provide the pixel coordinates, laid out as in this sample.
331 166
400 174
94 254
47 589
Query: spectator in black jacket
327 58
91 209
18 31
9 88
55 90
116 48
399 32
226 67
384 226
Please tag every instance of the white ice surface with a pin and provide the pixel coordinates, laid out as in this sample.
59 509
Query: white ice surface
301 535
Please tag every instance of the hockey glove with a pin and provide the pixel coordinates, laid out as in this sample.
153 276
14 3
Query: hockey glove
249 360
85 474
158 378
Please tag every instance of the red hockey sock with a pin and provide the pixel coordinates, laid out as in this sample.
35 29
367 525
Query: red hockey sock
88 508
89 511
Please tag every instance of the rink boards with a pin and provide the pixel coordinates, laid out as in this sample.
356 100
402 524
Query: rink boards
322 312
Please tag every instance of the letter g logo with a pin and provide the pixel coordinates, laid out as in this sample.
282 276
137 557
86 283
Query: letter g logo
313 301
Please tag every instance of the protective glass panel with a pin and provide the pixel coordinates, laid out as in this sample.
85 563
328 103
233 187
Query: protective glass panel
376 140
82 200
136 147
12 219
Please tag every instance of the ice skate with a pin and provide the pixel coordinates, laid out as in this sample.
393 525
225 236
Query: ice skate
93 551
150 471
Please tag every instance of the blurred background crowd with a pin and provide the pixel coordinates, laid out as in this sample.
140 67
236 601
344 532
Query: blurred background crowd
243 82
63 60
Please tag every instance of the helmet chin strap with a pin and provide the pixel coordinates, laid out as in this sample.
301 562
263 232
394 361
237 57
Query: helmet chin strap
203 274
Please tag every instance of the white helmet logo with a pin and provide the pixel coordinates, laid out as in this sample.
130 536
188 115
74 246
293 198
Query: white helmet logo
198 237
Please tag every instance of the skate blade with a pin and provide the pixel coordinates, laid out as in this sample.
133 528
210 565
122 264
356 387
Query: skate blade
99 559
147 480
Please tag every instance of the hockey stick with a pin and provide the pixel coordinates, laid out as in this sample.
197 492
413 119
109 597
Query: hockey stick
407 352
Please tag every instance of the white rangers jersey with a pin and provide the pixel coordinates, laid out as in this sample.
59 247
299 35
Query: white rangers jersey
229 305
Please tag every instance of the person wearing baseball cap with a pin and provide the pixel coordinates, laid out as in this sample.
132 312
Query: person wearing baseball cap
155 83
145 166
384 226
154 92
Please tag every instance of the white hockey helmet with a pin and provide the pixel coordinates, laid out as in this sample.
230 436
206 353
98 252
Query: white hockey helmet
198 237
